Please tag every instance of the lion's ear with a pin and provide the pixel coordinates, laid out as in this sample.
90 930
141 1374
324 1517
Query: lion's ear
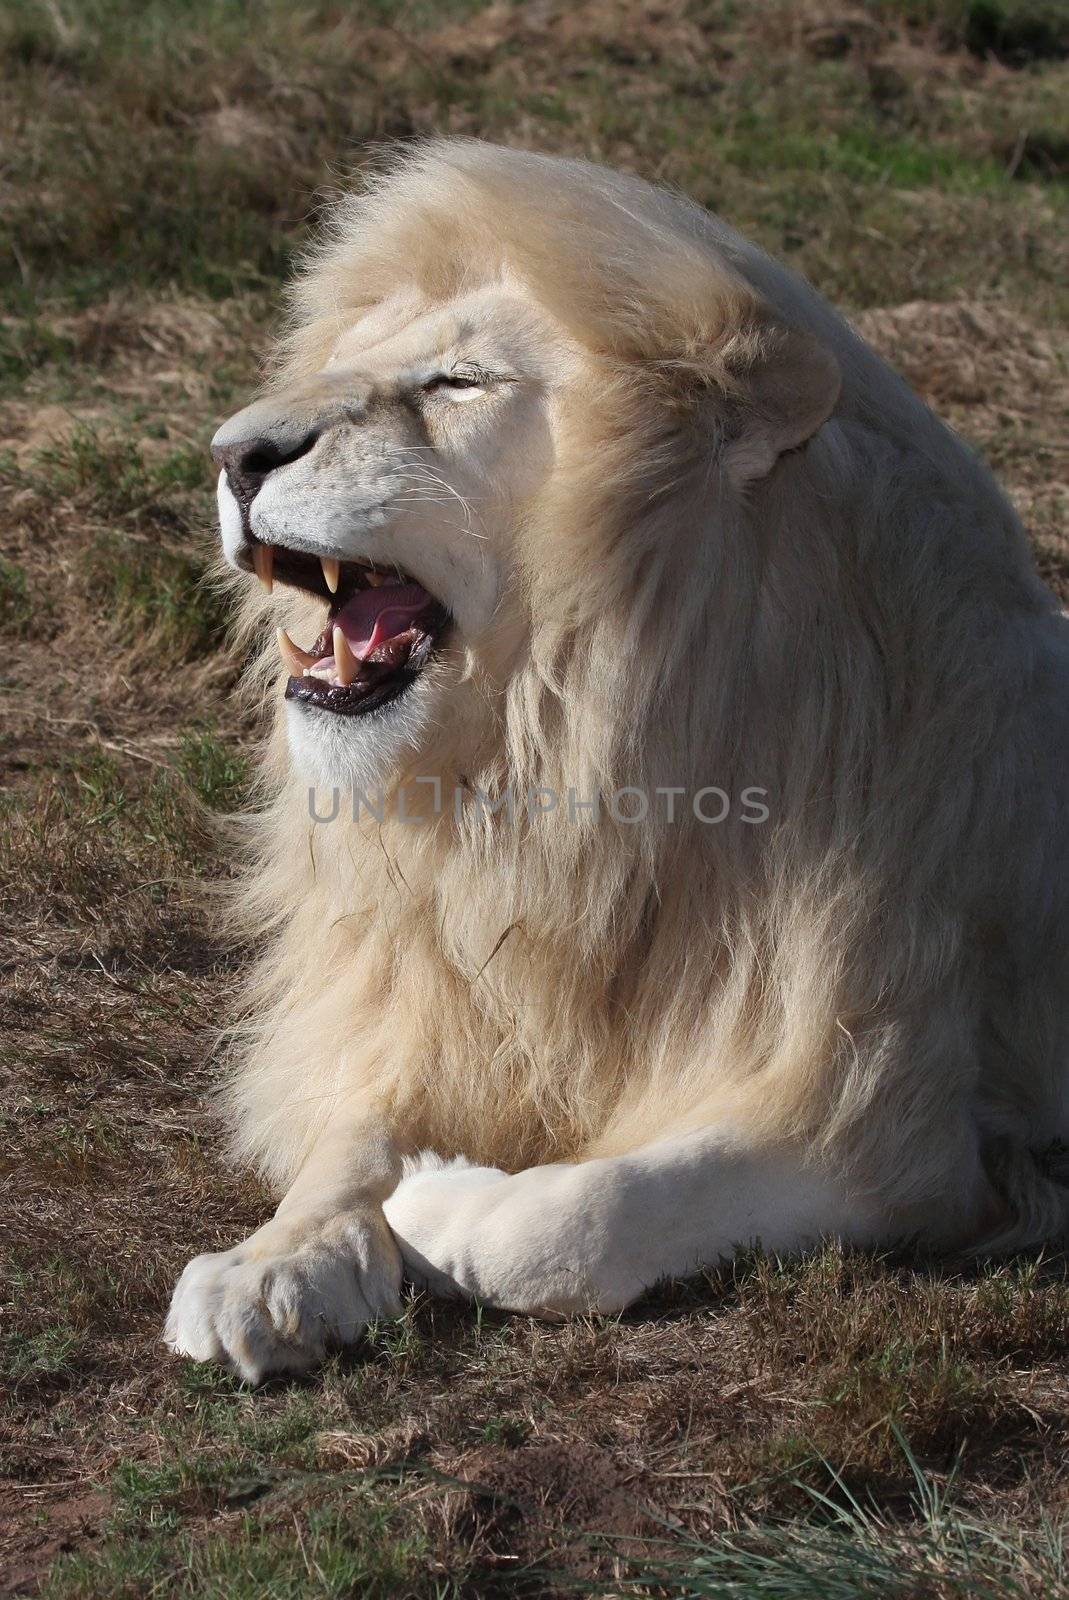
786 393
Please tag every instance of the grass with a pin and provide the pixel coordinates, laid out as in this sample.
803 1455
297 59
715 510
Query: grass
107 475
807 150
16 607
217 773
46 1354
849 1549
1017 31
466 1456
27 347
331 1555
849 1425
159 594
141 561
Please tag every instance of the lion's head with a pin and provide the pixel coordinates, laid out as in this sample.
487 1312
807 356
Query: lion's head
504 374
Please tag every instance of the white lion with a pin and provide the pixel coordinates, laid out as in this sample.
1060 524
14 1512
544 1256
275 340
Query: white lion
713 728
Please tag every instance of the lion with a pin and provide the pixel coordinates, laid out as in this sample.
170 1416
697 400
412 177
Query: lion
662 843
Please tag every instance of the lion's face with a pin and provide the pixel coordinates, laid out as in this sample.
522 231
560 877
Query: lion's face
388 485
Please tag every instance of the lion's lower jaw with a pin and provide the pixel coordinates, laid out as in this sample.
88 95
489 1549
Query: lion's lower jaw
355 754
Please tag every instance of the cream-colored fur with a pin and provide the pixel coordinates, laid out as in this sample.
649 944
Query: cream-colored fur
693 533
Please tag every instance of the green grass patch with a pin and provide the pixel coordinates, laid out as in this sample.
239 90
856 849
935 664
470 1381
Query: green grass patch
216 772
870 156
146 592
60 1308
102 824
16 606
236 1503
106 474
856 1554
27 345
356 1542
140 569
507 1430
47 1354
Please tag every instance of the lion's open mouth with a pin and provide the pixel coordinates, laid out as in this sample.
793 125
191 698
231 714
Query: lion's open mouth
382 629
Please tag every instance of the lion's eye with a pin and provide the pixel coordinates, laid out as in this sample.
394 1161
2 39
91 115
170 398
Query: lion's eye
454 380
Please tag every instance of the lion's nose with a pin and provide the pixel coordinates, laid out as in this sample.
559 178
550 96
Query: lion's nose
248 462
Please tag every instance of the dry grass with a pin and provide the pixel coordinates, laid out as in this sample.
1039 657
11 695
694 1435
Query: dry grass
844 1426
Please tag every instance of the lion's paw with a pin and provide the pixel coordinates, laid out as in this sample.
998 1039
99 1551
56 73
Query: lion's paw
281 1300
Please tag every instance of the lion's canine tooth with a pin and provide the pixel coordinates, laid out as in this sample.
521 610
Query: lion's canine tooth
331 571
297 660
263 562
346 664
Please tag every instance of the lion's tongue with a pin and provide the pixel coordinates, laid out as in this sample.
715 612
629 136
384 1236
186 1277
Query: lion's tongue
375 616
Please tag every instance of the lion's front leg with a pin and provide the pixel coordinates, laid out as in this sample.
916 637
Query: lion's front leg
594 1234
307 1281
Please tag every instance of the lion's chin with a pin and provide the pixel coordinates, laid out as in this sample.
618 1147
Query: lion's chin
357 754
